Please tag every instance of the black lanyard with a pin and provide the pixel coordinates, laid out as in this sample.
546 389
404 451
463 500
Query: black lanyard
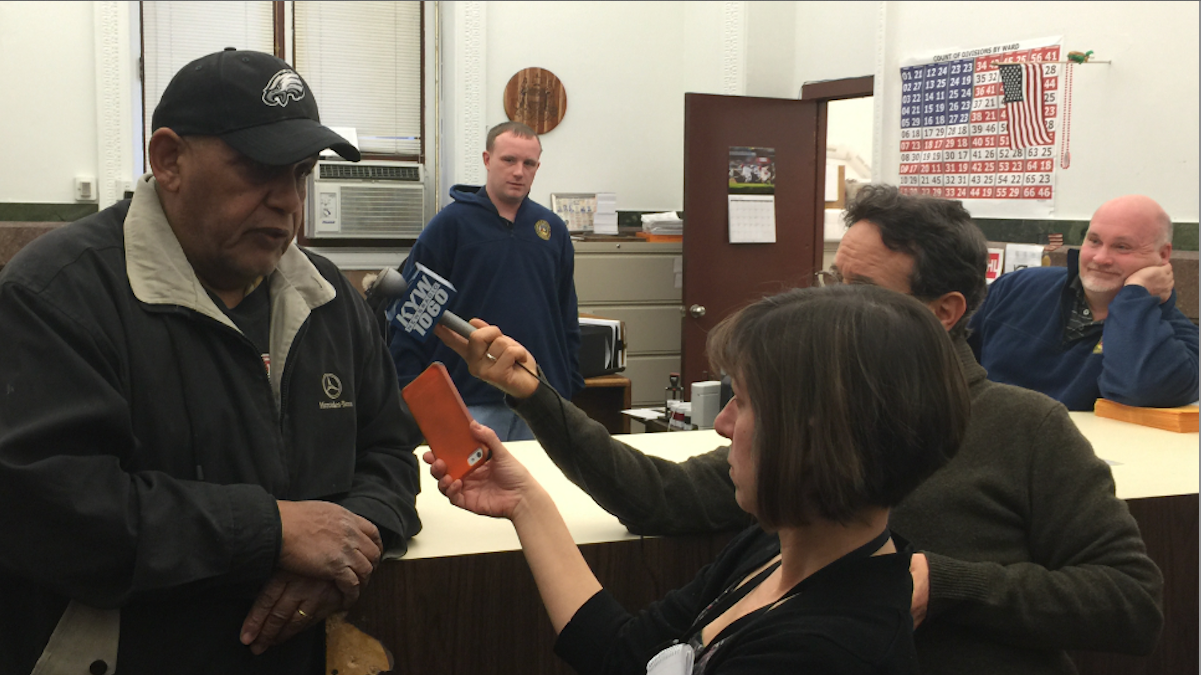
740 590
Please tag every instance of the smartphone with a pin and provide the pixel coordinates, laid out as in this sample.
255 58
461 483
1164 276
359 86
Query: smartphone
444 420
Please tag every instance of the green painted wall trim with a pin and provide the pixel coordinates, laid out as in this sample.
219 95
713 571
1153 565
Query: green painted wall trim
45 213
1184 235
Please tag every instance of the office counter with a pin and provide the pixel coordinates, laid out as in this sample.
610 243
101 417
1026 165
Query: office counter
463 601
451 531
1156 472
1146 462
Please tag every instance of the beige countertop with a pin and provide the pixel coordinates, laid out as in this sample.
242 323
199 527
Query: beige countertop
1146 462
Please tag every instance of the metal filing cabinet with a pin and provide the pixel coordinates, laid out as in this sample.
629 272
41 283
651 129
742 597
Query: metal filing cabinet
638 283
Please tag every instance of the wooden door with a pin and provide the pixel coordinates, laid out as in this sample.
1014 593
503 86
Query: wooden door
722 277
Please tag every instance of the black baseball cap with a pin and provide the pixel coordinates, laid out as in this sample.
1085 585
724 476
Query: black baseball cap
253 101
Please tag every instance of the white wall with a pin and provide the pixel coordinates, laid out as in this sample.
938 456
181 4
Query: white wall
48 116
1134 122
625 67
835 40
771 49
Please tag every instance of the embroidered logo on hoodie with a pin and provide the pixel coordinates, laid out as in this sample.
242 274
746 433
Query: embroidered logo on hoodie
543 229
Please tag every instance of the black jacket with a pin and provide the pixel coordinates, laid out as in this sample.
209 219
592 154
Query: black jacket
143 445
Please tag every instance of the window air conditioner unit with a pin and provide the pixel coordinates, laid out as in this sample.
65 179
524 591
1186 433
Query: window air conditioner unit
371 199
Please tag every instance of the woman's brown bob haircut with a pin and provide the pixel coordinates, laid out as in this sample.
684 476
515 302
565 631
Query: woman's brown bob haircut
857 394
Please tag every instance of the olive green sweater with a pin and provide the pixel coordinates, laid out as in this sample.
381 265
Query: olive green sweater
1030 551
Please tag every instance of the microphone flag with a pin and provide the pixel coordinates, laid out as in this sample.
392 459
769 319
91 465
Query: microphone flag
424 302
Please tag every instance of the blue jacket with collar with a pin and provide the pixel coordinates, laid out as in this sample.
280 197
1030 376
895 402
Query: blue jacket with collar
1144 354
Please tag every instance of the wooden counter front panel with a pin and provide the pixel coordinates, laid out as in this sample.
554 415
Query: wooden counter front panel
481 614
1169 527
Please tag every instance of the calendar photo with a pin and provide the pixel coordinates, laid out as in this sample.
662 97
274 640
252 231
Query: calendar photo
752 171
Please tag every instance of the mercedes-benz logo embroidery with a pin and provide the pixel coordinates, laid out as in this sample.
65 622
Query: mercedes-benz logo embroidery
332 386
284 85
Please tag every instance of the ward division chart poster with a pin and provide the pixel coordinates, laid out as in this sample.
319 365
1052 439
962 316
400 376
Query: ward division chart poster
980 125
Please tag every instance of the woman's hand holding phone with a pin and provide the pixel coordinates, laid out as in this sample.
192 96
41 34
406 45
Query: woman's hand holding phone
498 488
503 488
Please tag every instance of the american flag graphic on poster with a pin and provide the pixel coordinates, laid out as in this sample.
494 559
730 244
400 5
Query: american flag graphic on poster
980 125
1023 97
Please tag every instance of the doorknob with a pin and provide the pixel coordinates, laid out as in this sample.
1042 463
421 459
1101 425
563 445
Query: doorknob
697 311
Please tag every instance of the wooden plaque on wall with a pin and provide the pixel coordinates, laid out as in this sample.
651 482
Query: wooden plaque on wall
536 98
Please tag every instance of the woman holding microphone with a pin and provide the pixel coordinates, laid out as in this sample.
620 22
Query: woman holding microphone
846 398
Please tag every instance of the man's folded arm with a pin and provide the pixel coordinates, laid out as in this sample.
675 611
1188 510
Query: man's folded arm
1150 352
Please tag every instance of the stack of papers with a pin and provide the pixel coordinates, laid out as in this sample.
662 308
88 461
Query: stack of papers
644 414
668 222
604 221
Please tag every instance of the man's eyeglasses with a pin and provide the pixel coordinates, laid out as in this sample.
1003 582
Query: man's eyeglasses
826 278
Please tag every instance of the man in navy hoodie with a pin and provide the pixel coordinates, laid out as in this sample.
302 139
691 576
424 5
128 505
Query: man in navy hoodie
1106 326
511 262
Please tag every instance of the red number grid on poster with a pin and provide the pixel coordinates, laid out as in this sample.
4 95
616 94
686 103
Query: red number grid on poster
954 128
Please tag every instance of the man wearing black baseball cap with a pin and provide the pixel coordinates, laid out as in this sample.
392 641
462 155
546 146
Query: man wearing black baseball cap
201 431
254 102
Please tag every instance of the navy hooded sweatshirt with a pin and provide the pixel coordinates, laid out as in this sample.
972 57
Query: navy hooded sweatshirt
518 276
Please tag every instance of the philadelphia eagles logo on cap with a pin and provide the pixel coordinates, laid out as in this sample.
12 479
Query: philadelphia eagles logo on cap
543 229
283 85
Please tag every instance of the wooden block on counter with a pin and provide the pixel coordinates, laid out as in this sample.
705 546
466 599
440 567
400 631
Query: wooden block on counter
1182 419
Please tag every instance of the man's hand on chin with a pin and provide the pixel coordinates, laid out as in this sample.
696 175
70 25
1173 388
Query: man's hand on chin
1157 279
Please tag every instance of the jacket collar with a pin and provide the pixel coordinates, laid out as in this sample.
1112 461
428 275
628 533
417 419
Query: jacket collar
1072 293
478 194
973 372
1073 263
160 274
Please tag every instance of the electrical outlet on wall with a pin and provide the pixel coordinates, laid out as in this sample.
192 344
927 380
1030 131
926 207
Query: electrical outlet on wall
85 188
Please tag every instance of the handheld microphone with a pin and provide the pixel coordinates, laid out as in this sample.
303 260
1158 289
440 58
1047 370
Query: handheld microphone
416 311
419 304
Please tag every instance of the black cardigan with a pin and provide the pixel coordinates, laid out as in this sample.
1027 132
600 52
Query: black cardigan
850 617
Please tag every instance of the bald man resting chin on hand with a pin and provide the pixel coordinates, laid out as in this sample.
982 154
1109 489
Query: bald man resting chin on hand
1106 326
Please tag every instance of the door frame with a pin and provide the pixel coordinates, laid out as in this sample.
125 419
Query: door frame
822 93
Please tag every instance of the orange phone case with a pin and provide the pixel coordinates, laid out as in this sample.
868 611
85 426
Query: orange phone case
444 420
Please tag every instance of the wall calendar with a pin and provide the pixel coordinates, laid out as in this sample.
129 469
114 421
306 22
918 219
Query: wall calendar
980 125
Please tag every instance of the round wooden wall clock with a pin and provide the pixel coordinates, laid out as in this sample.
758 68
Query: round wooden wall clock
536 98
